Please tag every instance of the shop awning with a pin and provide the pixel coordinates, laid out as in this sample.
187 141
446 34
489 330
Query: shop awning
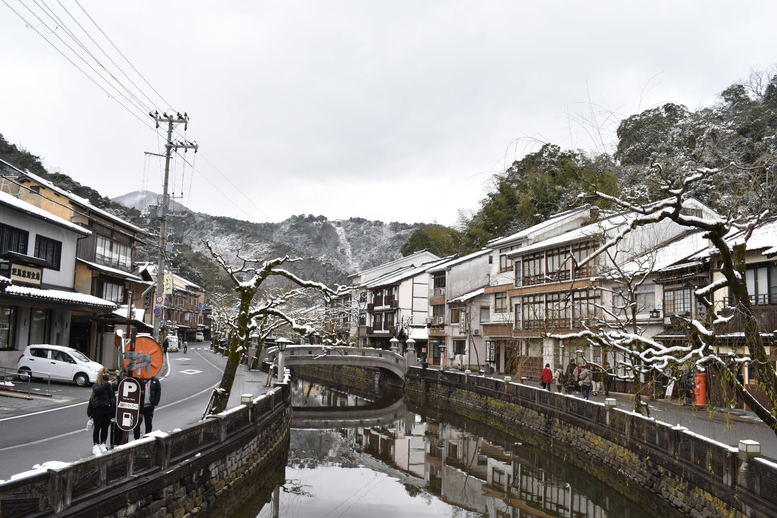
59 297
111 271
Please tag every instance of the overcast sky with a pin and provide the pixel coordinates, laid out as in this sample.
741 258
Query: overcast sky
399 111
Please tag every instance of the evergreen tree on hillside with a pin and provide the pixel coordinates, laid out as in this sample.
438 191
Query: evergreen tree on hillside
438 239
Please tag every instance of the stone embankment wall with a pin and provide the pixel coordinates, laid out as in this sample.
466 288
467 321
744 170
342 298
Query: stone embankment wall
165 476
640 457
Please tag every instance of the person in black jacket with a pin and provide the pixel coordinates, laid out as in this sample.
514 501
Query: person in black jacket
151 393
101 408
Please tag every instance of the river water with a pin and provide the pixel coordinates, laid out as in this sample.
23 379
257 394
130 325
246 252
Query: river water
354 457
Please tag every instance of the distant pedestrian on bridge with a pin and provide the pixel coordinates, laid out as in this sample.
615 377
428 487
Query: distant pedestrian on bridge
101 408
546 378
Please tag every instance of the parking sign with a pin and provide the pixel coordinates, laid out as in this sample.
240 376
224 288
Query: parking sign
128 404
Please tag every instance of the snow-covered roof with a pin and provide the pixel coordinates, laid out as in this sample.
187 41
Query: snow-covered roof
763 238
31 209
71 297
79 200
112 271
468 296
151 268
668 254
578 234
453 262
401 260
401 274
527 232
4 280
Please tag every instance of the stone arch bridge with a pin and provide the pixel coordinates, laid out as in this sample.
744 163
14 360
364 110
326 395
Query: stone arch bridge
347 356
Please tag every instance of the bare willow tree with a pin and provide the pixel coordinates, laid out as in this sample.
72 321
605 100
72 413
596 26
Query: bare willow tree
729 235
247 278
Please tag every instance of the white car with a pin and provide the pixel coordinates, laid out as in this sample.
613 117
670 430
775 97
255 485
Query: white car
172 344
58 362
199 336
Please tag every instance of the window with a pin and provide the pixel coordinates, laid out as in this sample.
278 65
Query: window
533 311
645 299
61 357
581 251
13 239
762 284
532 269
490 351
696 213
585 305
559 310
113 253
49 250
363 297
7 326
377 322
456 315
485 314
518 278
677 301
518 316
388 320
557 264
439 284
459 346
438 314
362 318
113 292
505 263
500 303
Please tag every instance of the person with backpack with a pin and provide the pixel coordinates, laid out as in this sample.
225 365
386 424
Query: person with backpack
586 381
101 408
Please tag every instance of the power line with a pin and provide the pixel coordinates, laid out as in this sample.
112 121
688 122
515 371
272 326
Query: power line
101 87
170 106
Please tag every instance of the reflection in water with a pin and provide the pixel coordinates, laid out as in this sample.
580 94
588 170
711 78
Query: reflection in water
416 466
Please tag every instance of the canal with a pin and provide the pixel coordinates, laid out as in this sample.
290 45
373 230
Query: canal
354 456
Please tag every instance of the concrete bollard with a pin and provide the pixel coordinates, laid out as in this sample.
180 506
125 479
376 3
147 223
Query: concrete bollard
609 404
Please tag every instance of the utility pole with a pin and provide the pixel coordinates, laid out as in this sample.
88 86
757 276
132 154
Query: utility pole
170 146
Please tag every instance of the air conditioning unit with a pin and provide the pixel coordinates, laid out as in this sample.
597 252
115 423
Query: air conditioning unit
476 332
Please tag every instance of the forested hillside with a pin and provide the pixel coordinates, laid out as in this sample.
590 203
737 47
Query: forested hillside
656 145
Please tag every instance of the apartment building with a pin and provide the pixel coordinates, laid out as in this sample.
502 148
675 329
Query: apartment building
456 296
183 312
558 289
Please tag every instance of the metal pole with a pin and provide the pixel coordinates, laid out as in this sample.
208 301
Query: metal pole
160 270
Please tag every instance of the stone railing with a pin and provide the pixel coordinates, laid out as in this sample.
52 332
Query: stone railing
697 475
162 474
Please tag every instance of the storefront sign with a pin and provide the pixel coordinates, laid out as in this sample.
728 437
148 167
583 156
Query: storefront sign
128 407
168 282
26 274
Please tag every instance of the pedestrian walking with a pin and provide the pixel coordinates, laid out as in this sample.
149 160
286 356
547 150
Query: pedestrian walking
558 378
585 381
546 378
570 377
165 344
151 393
101 408
597 377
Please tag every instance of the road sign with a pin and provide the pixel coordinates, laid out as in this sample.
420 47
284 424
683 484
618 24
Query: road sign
168 283
159 299
203 307
146 360
128 404
157 311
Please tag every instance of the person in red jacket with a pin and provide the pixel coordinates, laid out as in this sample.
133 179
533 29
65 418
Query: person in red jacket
546 377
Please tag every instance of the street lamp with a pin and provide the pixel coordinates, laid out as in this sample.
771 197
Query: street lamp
394 343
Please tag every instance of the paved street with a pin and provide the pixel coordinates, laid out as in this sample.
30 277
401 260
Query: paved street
55 429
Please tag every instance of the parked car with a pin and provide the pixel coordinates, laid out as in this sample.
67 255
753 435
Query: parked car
58 363
172 344
199 336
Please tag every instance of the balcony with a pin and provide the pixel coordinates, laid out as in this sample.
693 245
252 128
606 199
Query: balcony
438 321
765 315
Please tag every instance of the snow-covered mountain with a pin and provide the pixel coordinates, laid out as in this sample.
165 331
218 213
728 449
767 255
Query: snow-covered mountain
142 200
333 248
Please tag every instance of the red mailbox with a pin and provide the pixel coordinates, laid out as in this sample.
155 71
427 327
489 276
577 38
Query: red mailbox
700 391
